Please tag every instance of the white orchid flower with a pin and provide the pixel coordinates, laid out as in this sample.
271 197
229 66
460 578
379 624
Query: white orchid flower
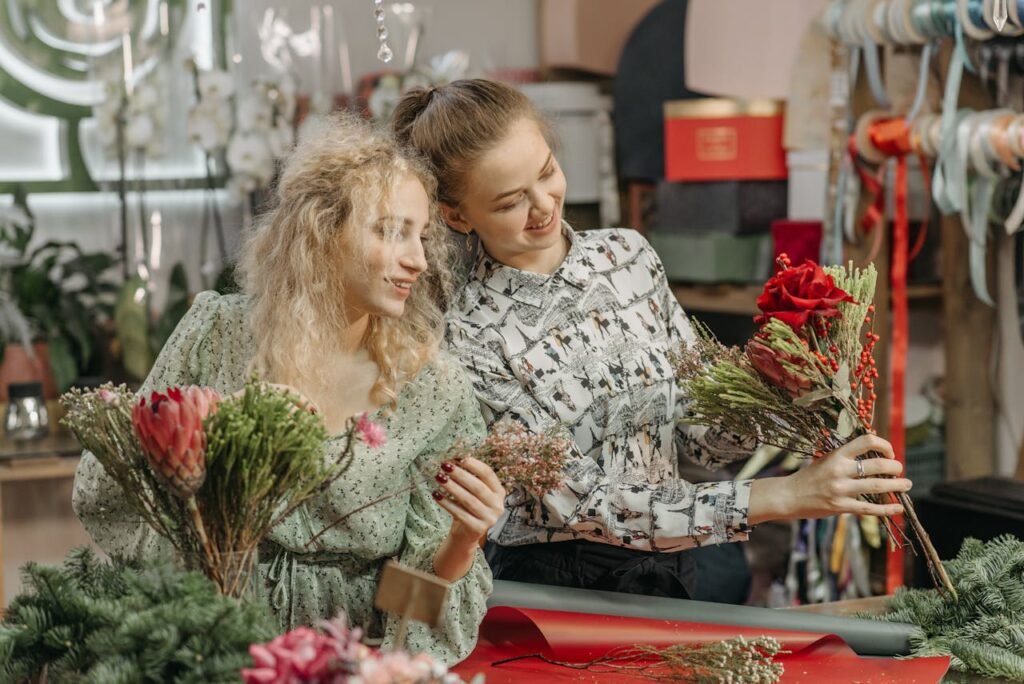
216 84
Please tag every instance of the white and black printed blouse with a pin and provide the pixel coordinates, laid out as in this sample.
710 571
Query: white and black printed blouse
586 346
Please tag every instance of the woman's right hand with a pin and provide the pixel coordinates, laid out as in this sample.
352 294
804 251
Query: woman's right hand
832 485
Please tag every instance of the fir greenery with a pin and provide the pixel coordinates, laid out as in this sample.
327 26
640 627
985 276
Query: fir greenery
126 622
983 631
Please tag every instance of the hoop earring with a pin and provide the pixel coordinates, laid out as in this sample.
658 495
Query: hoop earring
469 242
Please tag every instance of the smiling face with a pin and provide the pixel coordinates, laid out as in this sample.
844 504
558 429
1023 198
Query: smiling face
390 250
513 196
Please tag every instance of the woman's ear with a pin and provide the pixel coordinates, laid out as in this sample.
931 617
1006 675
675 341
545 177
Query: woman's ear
454 218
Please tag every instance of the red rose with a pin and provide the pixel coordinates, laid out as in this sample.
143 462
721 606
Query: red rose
793 295
768 363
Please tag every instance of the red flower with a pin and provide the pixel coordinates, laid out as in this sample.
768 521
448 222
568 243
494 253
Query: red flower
794 295
768 363
170 429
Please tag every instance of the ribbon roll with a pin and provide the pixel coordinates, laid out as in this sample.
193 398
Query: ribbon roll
1015 142
971 14
977 197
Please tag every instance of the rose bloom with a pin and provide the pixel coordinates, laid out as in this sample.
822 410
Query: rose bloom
794 295
768 363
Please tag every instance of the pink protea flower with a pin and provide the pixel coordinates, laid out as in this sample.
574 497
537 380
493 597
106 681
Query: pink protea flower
170 428
370 432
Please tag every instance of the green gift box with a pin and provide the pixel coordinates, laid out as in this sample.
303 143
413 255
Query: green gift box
714 257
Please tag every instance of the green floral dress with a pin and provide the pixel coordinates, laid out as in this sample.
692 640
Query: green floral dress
212 346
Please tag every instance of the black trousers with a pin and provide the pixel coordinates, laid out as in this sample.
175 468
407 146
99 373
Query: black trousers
708 573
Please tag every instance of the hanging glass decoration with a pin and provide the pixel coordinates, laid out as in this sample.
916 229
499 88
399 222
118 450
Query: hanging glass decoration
384 53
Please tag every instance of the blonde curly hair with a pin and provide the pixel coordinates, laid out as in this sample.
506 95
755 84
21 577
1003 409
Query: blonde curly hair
340 175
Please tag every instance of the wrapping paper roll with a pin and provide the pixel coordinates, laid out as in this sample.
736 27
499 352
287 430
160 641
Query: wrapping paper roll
866 637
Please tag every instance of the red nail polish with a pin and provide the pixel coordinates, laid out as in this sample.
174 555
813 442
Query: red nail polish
447 467
437 494
441 477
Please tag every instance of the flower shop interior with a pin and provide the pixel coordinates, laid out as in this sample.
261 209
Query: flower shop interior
141 140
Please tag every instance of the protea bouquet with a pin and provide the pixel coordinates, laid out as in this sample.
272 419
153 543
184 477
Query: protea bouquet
806 381
211 475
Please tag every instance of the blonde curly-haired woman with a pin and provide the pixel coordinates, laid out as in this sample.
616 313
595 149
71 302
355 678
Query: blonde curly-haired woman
342 281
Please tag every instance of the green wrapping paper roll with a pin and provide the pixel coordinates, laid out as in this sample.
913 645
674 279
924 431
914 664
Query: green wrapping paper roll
866 637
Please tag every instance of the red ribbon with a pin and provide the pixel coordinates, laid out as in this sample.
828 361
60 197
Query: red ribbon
892 138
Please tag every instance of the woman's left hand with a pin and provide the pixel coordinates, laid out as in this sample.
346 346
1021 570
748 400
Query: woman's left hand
473 496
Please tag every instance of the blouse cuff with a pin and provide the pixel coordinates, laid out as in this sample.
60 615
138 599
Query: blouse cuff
732 506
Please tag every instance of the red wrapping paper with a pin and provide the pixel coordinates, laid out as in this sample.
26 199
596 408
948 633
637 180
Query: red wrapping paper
576 637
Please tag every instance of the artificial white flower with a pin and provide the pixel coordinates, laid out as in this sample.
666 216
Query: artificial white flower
249 154
240 186
285 101
145 98
281 138
254 113
139 130
216 83
385 97
209 124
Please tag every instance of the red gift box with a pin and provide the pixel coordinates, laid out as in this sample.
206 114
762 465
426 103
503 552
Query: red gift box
720 139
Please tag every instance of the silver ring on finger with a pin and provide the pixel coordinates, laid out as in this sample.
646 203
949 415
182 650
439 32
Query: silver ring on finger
860 469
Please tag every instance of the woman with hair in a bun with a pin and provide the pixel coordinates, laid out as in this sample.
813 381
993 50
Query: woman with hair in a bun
563 327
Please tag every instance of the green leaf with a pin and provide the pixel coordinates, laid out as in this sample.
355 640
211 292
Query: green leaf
62 362
841 380
847 424
811 397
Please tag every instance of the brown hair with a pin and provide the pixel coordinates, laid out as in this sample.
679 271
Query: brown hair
455 124
291 266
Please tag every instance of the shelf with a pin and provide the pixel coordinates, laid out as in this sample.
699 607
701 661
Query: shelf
53 457
721 298
742 299
925 291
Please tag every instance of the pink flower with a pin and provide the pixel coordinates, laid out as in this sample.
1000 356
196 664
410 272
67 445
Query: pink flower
107 396
370 432
170 429
335 655
301 655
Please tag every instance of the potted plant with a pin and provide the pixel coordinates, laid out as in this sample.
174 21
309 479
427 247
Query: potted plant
54 303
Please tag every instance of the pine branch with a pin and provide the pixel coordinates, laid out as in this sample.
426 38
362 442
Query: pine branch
91 621
983 630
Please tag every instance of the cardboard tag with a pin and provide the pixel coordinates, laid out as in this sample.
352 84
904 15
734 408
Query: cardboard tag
411 594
